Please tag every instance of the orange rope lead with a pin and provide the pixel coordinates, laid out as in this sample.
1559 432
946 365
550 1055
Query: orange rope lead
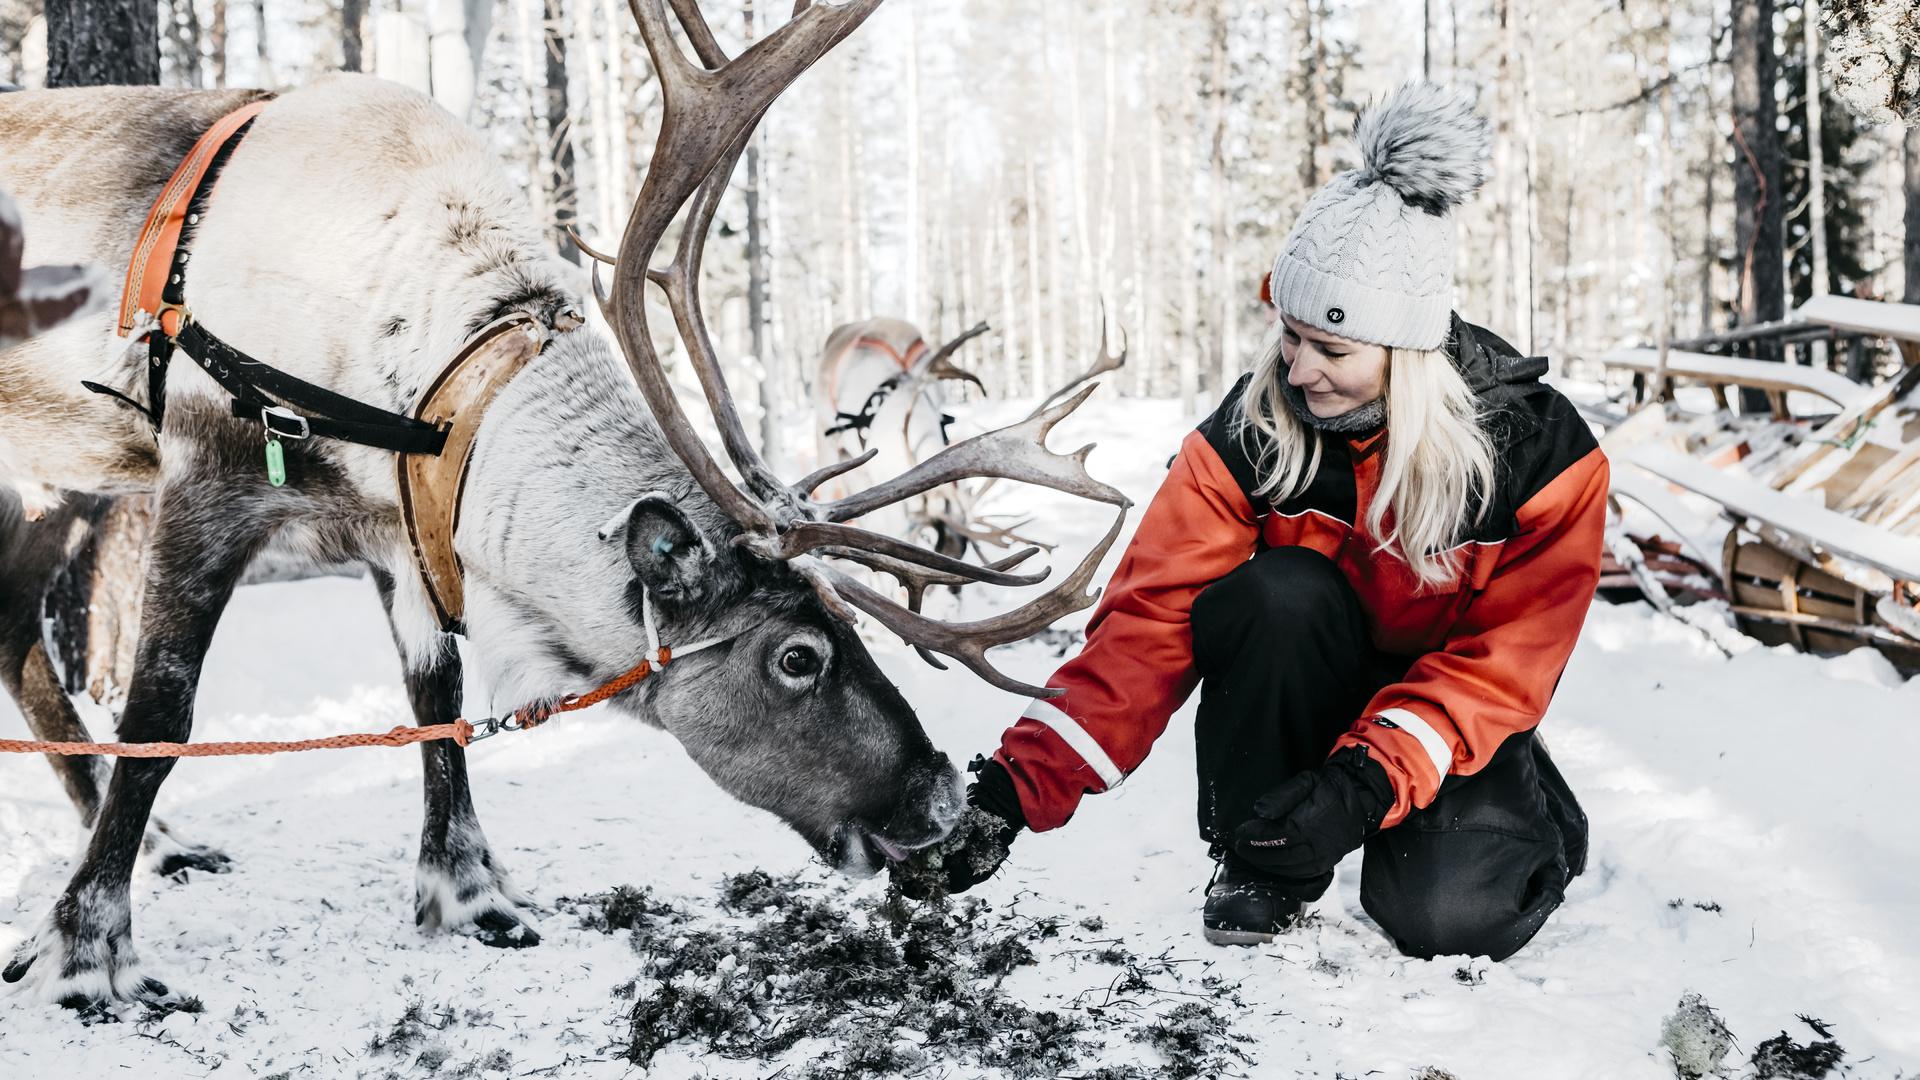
618 686
459 731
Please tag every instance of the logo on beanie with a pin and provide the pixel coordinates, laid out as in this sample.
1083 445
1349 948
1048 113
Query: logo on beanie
1335 315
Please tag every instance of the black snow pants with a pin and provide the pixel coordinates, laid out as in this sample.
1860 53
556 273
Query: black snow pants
1286 667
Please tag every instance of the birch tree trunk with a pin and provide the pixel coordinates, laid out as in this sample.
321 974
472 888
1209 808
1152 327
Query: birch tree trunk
1711 173
849 290
1502 280
1153 315
1300 28
1222 299
757 288
1036 346
1663 314
1816 158
1529 178
560 134
606 219
1003 245
1053 358
1076 301
539 170
263 70
1109 202
103 43
1323 153
912 285
217 35
624 92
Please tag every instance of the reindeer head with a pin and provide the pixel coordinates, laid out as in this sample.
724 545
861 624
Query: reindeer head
786 710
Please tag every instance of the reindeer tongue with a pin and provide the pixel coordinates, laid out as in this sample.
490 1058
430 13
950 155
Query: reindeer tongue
892 851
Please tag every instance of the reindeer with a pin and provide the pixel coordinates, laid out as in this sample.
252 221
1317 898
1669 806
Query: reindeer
878 388
359 237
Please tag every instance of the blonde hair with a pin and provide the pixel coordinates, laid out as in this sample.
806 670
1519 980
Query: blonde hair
1437 471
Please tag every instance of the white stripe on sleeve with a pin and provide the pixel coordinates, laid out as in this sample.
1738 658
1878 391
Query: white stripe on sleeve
1430 740
1078 738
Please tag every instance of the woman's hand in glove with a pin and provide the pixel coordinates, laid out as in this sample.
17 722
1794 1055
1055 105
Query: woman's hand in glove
976 847
1304 827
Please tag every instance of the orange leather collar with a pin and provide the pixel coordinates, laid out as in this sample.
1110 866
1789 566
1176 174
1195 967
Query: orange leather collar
431 486
153 253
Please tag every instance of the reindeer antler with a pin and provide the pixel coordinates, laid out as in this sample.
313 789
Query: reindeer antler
711 111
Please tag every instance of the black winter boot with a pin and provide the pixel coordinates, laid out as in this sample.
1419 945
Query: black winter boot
1247 907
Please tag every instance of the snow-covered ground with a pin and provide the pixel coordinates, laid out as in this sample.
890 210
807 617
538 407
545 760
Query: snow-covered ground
1753 827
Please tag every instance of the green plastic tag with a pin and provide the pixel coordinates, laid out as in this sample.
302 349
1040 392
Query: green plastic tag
276 463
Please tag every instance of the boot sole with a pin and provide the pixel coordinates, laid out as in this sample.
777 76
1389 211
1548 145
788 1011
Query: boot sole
1237 937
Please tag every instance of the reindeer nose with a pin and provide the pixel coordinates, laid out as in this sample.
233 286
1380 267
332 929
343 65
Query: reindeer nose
930 803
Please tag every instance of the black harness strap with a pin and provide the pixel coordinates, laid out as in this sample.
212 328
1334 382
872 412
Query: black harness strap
335 416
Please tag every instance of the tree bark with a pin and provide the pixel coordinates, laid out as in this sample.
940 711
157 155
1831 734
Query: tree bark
1222 290
1529 180
1036 342
1503 242
915 231
103 43
183 30
1153 315
849 245
560 135
1912 246
1757 193
217 33
757 290
1816 172
350 15
263 72
1300 28
1816 156
1663 314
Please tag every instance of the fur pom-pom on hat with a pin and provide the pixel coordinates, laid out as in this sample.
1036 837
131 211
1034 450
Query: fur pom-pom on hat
1371 257
1427 144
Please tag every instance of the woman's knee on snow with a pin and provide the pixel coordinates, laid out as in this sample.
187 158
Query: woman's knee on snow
1461 892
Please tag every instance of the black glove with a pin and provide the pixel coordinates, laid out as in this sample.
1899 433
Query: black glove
977 846
1304 827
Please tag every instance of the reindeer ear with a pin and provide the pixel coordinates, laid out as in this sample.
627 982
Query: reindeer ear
667 550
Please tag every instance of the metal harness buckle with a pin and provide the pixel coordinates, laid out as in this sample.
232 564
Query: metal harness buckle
267 413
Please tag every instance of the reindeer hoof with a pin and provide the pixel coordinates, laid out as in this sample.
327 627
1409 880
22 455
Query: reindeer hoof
204 859
17 967
502 930
169 855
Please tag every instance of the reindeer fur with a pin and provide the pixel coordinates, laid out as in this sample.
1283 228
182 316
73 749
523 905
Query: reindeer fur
357 237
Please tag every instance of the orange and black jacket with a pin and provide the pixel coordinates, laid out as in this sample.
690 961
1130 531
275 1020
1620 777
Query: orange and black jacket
1490 648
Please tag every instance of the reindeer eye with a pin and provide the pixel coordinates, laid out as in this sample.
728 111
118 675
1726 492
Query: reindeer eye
800 660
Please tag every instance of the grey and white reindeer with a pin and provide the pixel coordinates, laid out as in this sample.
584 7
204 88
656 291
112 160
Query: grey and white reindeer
357 238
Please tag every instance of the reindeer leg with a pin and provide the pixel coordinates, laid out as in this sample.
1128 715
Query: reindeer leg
32 554
210 523
458 884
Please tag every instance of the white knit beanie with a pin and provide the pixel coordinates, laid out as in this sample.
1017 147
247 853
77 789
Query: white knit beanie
1371 257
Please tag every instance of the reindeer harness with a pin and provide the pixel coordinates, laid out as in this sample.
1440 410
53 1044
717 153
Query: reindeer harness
432 445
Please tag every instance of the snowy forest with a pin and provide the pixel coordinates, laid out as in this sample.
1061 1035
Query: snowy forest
1036 164
1604 646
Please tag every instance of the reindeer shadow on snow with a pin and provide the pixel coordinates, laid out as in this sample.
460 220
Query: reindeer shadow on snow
562 516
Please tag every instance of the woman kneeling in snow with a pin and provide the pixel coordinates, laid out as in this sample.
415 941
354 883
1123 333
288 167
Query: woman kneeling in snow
1374 560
